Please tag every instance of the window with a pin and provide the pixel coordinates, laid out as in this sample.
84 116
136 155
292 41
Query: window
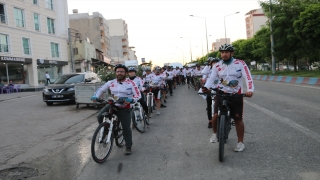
75 51
2 14
26 46
19 17
35 2
55 50
36 19
49 4
4 43
50 23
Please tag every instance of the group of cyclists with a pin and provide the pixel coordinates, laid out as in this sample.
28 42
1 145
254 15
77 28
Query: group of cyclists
225 75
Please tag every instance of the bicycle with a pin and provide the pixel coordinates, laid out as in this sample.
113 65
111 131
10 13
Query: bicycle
109 129
224 121
139 118
150 101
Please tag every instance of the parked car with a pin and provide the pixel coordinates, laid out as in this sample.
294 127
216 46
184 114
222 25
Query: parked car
62 90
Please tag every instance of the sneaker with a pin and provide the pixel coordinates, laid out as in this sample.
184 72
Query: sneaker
209 125
214 139
240 147
163 106
165 101
128 151
158 113
171 95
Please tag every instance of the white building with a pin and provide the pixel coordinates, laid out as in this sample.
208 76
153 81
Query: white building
132 53
255 19
119 44
33 40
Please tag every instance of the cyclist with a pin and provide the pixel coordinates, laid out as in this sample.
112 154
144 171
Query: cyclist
230 71
188 75
206 73
122 88
139 83
170 76
157 81
197 76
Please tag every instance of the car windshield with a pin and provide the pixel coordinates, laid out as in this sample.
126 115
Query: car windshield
69 79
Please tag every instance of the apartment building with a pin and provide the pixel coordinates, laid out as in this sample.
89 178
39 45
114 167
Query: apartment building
119 44
255 19
95 28
33 40
218 43
132 53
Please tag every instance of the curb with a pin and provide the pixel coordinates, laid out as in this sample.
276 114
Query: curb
288 79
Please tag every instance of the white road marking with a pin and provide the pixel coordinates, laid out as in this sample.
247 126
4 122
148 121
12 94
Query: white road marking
286 121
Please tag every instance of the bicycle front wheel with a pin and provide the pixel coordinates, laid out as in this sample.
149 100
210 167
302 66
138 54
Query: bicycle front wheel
100 146
138 122
221 136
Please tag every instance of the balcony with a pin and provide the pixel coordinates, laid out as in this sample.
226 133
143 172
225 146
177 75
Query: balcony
125 50
3 18
102 40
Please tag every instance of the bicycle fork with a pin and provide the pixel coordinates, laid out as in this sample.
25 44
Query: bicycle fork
103 128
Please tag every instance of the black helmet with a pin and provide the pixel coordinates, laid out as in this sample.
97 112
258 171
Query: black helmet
215 60
226 47
132 69
120 66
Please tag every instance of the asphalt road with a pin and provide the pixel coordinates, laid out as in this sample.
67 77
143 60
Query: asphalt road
282 138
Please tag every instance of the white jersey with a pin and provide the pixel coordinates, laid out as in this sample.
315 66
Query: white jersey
157 80
188 72
170 75
197 72
139 82
148 78
230 76
127 88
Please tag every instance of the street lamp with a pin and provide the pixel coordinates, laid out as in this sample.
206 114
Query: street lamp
205 23
225 30
202 45
190 47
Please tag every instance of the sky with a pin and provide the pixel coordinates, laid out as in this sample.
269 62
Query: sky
155 27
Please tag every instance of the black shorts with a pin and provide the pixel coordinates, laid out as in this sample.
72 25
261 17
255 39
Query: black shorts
156 93
235 104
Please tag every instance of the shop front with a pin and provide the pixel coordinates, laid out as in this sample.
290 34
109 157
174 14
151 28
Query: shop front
14 69
54 69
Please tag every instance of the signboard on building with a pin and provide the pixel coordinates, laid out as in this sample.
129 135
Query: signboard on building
143 60
15 59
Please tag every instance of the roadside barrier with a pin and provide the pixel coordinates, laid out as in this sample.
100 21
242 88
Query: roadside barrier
288 79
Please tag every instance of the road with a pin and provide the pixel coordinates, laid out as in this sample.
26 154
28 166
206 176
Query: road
282 138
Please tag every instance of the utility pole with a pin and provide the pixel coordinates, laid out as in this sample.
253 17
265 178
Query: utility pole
71 51
272 42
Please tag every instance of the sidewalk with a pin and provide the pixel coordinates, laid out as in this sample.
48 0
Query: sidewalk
15 95
288 79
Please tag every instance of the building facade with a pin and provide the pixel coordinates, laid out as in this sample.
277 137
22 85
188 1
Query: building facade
83 54
255 19
218 43
119 43
33 40
132 53
94 27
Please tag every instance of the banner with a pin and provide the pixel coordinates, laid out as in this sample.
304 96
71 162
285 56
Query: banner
143 60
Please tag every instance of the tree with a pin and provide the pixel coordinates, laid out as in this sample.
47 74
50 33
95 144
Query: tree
307 26
287 44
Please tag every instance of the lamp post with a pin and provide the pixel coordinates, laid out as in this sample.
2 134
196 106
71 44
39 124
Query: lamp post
225 29
202 46
205 23
272 42
190 47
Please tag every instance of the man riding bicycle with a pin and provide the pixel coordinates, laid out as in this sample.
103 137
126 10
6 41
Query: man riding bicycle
230 72
139 83
121 88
